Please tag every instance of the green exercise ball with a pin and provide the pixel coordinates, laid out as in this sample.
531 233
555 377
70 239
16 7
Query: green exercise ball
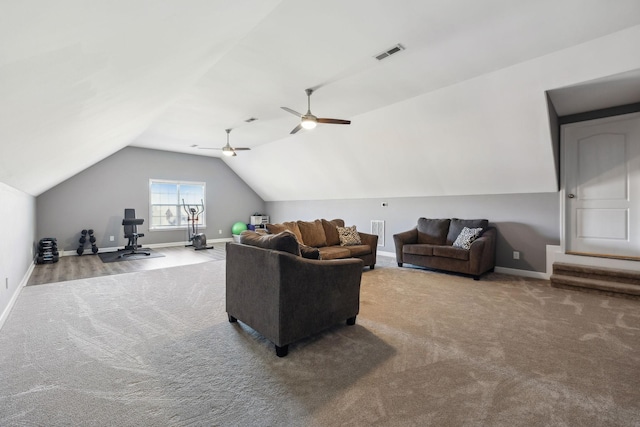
238 228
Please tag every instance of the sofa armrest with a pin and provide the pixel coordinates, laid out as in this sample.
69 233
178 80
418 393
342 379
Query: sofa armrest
371 240
404 238
482 256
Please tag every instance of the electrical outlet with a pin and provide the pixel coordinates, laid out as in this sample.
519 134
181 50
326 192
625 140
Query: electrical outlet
112 238
219 231
516 255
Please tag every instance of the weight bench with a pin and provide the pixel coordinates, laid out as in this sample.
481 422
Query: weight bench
130 224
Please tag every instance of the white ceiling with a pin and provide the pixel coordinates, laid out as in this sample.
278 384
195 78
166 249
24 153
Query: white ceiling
79 80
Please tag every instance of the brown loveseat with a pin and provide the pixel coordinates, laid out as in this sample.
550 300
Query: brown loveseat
441 244
323 235
286 297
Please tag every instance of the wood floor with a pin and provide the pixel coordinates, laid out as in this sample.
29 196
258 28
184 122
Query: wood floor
81 267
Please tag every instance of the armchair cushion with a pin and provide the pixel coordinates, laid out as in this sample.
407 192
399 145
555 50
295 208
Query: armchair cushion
309 252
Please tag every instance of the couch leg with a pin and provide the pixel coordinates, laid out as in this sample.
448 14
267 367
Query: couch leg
476 277
282 351
399 264
372 266
232 319
351 320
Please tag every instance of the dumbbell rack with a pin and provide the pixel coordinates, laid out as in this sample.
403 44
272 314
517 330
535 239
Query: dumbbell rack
47 251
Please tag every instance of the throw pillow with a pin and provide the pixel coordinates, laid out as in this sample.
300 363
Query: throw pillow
458 224
349 236
467 237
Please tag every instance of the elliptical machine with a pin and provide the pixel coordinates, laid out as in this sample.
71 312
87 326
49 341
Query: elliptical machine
198 240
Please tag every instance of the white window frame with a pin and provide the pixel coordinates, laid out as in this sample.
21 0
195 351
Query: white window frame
182 225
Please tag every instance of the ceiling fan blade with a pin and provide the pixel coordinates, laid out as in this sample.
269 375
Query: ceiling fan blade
296 129
289 110
241 148
209 148
335 121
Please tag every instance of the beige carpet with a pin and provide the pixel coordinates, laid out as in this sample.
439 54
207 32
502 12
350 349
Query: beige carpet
155 348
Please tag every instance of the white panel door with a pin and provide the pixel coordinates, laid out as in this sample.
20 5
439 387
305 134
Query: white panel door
601 185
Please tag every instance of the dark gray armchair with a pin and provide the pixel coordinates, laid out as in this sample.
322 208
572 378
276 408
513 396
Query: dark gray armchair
286 297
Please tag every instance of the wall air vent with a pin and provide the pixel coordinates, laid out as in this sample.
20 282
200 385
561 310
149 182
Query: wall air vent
397 48
377 228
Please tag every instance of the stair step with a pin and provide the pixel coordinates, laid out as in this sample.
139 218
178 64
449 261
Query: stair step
597 284
598 273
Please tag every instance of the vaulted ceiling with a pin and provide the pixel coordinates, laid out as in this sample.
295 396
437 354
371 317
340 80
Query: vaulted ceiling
462 110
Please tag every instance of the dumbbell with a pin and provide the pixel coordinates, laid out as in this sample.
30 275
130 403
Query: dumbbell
92 239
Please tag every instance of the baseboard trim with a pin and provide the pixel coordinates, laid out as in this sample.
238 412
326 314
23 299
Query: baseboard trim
389 254
522 273
150 246
16 294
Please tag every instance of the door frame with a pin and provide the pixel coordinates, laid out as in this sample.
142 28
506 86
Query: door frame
564 213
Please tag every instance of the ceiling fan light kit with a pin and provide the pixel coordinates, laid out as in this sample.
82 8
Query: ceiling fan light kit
309 121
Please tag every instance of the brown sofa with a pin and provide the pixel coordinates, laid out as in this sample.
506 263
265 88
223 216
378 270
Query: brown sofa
435 243
323 235
284 296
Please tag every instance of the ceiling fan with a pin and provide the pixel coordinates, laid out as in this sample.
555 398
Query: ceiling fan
227 150
309 121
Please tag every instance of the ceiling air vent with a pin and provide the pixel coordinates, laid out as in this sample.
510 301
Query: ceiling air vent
397 48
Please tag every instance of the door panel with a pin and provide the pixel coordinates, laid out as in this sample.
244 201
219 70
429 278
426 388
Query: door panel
602 182
602 224
602 167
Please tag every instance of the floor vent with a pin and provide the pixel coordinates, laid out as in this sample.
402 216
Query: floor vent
377 228
397 48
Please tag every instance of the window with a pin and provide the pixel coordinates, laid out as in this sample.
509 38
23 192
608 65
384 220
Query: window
165 203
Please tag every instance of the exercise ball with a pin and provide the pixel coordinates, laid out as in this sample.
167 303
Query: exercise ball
238 228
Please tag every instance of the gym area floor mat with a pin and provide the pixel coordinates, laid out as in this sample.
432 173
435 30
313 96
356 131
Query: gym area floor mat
115 256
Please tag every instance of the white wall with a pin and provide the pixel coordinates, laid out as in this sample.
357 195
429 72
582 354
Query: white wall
486 135
17 228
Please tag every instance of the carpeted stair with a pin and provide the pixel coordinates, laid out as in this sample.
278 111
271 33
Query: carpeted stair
609 280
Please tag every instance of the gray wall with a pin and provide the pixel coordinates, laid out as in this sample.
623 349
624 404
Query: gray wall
96 197
525 222
18 231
